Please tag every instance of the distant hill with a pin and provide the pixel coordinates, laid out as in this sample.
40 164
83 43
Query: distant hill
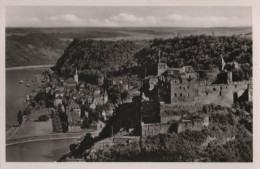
98 55
38 46
33 49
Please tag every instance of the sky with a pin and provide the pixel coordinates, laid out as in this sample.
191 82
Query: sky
87 16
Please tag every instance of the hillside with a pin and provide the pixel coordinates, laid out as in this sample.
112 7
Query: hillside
33 49
228 138
98 55
202 52
38 46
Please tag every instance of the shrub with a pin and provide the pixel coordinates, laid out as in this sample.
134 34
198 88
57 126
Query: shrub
26 112
43 118
86 123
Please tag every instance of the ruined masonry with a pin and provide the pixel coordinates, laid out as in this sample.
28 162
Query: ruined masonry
172 99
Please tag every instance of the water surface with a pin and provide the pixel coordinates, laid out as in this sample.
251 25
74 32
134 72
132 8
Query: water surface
39 151
16 93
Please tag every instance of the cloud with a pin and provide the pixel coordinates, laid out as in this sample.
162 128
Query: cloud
67 18
124 17
176 17
33 19
134 20
171 20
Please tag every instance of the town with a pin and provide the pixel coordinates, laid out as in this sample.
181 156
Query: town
172 101
113 109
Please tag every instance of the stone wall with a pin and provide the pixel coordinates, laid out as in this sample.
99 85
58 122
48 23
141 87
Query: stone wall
112 141
125 139
172 117
154 129
183 92
196 125
189 107
221 94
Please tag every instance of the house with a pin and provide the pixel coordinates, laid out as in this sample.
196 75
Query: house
74 119
59 93
70 83
57 101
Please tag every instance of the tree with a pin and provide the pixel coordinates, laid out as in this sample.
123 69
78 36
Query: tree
56 123
86 123
124 95
20 118
43 118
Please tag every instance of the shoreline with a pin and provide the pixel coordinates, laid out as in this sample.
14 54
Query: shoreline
54 136
28 67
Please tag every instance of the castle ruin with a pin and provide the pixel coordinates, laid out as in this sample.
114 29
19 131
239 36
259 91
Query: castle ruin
171 99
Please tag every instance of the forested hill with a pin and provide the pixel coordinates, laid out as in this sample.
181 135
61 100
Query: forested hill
98 55
202 52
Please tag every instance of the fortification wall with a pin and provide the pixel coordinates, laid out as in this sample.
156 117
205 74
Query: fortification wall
183 92
154 129
166 118
221 94
189 107
191 125
125 139
211 76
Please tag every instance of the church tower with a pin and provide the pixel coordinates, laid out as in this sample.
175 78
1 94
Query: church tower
222 63
229 77
76 78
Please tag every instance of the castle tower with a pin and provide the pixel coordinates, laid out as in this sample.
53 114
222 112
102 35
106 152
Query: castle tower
76 78
162 67
229 77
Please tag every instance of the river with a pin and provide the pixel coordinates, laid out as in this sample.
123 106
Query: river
38 151
16 93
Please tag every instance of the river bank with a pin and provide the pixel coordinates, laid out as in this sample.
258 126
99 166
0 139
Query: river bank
34 141
28 67
33 130
16 92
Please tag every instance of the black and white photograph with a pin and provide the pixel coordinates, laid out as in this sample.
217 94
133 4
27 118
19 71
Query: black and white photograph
129 84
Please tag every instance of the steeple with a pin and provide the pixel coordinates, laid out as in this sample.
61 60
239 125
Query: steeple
76 78
105 93
222 63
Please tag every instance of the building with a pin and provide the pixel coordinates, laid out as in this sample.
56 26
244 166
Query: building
179 92
70 83
97 97
73 112
57 101
76 78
